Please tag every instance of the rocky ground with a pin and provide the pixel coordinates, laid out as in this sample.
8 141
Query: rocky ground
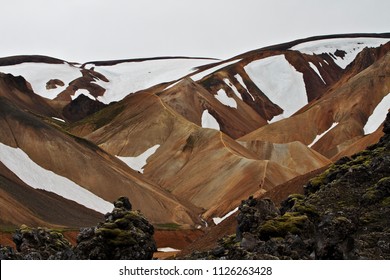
124 234
344 214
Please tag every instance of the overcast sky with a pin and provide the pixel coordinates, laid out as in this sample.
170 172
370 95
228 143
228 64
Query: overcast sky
85 30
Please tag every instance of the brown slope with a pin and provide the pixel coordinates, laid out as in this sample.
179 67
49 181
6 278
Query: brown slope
228 226
355 146
190 99
295 155
203 166
23 205
350 105
315 87
19 92
87 165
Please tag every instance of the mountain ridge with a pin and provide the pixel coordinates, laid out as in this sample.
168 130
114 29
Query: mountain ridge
222 130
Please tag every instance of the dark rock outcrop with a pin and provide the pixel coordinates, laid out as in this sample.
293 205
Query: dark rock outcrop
40 244
81 107
125 234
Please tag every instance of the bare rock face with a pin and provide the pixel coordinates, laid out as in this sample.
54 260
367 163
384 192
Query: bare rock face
125 234
54 83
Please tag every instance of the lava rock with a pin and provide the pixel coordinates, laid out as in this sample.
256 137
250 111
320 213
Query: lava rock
125 234
41 244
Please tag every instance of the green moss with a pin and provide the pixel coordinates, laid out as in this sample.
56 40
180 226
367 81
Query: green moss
123 238
299 205
384 180
123 223
107 232
386 202
370 195
109 225
168 226
102 117
8 229
290 222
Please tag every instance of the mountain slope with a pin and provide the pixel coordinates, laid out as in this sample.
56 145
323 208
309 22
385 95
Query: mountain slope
185 137
88 167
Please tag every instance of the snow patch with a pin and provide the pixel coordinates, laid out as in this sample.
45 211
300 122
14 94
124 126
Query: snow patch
82 91
207 72
378 115
129 77
242 83
352 46
137 163
233 87
38 74
277 118
37 177
318 137
218 220
58 119
208 121
225 99
168 250
312 65
280 82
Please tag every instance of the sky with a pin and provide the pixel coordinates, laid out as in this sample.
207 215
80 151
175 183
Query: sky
87 30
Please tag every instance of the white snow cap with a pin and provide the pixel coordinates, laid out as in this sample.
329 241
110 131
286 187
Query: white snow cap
38 74
129 77
351 47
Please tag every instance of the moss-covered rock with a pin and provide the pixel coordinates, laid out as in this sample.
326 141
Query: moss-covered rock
290 222
125 234
41 243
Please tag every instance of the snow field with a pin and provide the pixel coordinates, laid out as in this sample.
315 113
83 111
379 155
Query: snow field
218 220
233 87
137 163
225 99
82 91
352 46
318 137
208 121
38 74
37 177
378 115
129 77
280 82
316 70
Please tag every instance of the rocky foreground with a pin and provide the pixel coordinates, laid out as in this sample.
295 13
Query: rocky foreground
344 214
125 234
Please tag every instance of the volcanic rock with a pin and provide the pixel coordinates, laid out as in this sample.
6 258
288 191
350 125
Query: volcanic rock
125 234
41 244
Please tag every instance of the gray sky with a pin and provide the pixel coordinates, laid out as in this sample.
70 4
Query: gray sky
84 30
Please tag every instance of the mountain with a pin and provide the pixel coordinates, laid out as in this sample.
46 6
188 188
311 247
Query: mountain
342 215
186 139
